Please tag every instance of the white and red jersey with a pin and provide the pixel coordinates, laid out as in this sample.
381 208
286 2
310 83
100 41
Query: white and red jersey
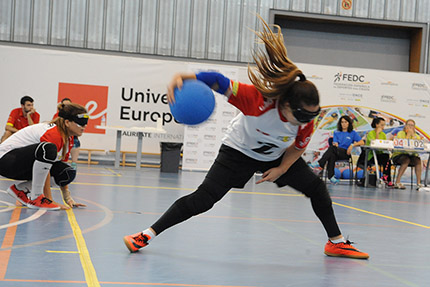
260 131
43 132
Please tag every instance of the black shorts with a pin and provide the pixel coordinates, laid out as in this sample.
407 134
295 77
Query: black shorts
18 164
234 169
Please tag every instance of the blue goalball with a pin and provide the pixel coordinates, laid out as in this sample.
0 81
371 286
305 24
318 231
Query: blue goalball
194 103
346 173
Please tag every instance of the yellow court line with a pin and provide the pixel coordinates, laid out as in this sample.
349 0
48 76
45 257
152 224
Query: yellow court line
179 188
132 186
55 251
381 215
259 193
97 174
114 172
84 255
119 283
265 193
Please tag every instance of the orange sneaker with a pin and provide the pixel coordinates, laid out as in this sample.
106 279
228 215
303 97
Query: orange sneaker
136 241
41 202
18 194
344 249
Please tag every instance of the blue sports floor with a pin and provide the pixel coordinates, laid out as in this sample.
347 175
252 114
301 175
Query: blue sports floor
258 236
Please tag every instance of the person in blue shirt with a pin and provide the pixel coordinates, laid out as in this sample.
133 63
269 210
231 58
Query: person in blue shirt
344 139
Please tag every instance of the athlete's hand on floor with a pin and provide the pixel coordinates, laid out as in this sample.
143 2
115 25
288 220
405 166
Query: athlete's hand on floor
62 206
72 204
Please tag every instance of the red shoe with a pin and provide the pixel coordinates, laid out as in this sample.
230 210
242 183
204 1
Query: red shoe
344 249
19 195
136 241
41 202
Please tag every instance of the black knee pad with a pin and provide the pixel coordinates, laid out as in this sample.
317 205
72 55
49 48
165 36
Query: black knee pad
46 152
62 173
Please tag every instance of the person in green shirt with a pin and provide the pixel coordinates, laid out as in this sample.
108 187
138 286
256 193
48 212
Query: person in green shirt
378 125
404 159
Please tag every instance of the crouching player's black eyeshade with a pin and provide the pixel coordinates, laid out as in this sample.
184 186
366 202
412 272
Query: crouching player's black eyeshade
81 119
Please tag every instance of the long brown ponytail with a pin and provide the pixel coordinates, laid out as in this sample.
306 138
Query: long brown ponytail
275 75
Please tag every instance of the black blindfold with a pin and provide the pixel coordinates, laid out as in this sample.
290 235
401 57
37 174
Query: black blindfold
305 116
81 119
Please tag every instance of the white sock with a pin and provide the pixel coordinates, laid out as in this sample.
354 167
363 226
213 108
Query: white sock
40 172
150 233
24 185
340 240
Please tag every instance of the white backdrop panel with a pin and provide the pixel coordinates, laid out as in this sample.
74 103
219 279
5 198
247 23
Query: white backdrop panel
38 72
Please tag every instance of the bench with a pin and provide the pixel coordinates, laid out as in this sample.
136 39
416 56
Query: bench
89 151
125 153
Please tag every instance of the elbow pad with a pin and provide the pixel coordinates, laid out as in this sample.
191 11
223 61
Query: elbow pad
216 81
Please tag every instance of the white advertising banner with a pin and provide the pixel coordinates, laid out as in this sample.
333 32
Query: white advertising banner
131 92
117 91
201 142
364 94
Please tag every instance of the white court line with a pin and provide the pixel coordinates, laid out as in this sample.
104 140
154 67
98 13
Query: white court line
10 206
35 216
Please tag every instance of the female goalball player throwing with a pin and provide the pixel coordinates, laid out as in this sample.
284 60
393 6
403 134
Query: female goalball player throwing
270 135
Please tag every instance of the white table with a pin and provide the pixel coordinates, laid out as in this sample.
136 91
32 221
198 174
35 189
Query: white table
140 131
370 148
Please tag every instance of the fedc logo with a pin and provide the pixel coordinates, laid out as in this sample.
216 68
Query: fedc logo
348 77
388 99
93 98
419 86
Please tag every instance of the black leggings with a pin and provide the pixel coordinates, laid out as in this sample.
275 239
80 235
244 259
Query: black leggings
330 157
233 169
18 163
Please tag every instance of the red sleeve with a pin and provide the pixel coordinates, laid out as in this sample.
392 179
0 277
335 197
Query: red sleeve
35 117
304 135
53 136
12 117
55 116
247 99
66 158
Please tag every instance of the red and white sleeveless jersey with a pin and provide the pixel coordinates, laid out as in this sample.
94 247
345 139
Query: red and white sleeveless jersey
260 131
43 132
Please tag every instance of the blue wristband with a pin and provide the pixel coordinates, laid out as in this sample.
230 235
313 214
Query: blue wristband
216 81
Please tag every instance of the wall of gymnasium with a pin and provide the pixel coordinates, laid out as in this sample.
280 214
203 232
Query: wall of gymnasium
204 29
